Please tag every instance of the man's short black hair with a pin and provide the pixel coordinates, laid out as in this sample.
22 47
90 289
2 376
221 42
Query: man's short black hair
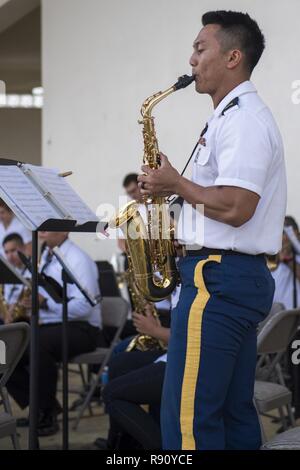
4 205
131 178
290 221
240 31
13 237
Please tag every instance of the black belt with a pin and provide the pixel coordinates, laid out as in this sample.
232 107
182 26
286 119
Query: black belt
216 251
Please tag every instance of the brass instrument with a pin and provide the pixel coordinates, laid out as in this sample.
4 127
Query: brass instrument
20 313
4 312
141 342
150 245
272 262
15 312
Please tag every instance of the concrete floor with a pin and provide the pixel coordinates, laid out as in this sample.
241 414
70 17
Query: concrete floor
90 427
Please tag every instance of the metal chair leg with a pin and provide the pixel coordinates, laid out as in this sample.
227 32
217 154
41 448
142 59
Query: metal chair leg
85 403
15 441
291 416
282 418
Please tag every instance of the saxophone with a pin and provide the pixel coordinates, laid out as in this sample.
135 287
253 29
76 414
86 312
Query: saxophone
4 312
150 245
141 342
20 313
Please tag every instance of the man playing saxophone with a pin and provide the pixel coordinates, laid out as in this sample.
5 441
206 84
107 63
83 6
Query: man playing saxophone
237 197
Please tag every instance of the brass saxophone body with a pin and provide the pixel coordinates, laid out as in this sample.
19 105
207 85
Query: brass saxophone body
150 244
4 312
272 262
20 313
16 312
141 342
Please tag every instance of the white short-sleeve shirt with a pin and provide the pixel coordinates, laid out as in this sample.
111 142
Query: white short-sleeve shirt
12 292
86 272
242 147
14 227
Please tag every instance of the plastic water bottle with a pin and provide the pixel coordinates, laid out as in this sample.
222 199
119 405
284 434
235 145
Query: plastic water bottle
104 376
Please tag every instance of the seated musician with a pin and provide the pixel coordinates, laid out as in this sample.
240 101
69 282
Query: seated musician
136 379
287 292
84 330
12 293
283 274
9 223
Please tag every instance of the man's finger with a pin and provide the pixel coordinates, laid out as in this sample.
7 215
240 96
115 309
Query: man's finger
142 178
146 169
164 161
144 186
146 192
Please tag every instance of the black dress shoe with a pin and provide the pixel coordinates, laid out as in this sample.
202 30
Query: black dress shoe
101 443
24 422
48 425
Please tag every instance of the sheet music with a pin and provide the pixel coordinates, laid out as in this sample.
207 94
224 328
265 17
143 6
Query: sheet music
64 193
24 198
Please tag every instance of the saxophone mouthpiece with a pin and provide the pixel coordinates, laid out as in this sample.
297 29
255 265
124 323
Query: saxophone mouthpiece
184 81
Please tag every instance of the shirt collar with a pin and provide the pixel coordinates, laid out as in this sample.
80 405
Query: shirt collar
63 248
241 89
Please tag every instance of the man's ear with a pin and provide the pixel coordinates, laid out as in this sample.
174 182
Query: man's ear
234 58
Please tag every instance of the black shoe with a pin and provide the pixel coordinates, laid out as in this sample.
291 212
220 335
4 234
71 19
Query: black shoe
48 425
101 443
24 422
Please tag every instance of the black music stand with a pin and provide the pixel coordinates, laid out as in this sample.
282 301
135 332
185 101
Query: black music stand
7 276
49 226
63 223
68 278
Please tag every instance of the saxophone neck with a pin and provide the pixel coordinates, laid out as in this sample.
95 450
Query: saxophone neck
153 100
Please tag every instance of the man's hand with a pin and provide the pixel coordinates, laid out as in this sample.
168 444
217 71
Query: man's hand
27 301
146 324
10 314
160 182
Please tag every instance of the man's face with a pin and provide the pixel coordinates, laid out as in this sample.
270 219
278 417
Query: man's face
11 253
52 239
133 191
5 215
208 61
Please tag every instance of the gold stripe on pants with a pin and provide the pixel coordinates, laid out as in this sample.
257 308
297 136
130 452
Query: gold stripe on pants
193 355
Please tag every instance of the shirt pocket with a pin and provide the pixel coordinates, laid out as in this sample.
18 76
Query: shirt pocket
202 168
202 155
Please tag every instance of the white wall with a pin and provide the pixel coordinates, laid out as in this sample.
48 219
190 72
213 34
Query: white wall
102 59
20 134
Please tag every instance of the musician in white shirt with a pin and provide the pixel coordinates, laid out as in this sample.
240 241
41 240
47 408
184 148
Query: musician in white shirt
287 289
84 328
